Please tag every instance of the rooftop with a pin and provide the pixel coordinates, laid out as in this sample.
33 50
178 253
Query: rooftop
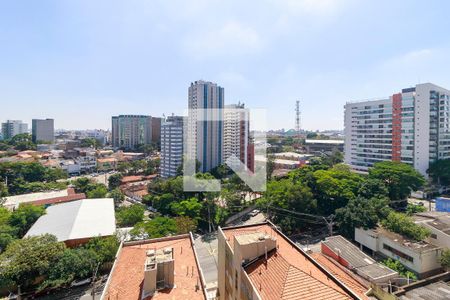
106 159
339 273
348 251
14 201
292 154
335 142
127 275
288 272
438 220
434 291
416 246
77 220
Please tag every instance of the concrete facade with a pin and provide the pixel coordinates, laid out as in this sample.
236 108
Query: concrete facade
412 127
43 130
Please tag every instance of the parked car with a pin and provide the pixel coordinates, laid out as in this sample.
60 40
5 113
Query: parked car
80 282
254 212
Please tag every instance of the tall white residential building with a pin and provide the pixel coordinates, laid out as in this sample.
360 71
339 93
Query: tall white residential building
236 132
43 130
171 145
129 131
205 136
13 127
411 127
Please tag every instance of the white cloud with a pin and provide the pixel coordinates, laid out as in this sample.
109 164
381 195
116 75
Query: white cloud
233 38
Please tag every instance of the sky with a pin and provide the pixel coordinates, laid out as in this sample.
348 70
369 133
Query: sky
82 61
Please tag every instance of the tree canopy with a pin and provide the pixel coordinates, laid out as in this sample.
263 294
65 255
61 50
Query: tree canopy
399 178
26 259
439 171
404 225
129 216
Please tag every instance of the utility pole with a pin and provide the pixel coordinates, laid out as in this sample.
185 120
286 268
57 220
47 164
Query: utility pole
94 276
297 118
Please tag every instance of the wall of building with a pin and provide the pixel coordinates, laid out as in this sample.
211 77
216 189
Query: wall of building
423 262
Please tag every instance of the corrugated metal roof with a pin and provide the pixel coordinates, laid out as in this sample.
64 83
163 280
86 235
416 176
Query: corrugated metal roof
76 220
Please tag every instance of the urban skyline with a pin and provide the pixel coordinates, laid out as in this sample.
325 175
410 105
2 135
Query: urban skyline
275 53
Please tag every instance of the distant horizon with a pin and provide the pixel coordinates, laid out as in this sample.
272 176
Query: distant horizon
80 62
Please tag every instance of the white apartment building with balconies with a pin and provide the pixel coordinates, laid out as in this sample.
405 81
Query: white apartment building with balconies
172 129
410 127
235 133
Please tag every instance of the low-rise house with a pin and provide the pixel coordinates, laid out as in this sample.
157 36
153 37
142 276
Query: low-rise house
106 164
420 257
162 268
43 198
75 223
129 156
136 186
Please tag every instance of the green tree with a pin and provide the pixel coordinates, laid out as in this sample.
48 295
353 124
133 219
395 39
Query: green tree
90 142
334 187
27 259
399 178
157 227
360 212
445 259
22 142
114 181
404 225
117 195
373 188
73 264
97 191
163 203
152 166
397 266
123 167
439 171
185 224
270 166
412 209
129 216
82 184
105 248
289 195
190 208
7 232
24 217
3 191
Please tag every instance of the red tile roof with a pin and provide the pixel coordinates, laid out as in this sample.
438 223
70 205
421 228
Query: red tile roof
288 273
127 276
68 198
337 271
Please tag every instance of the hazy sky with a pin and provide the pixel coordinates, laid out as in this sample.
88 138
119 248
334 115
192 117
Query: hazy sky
80 62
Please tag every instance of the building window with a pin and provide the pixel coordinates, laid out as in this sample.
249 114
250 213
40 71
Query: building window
398 253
